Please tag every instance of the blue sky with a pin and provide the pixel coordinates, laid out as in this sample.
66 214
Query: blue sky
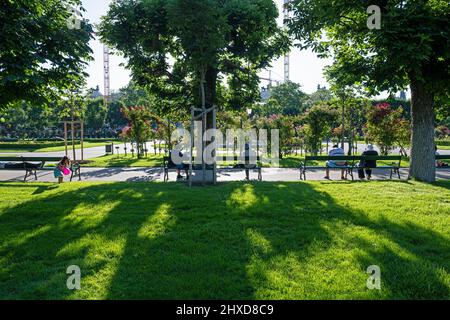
306 68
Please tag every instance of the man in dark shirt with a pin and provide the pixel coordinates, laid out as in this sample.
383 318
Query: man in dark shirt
367 165
179 166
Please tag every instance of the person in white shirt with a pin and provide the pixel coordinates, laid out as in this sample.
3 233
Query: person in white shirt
335 152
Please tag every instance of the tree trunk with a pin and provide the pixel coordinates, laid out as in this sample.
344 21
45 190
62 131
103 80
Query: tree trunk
423 160
210 94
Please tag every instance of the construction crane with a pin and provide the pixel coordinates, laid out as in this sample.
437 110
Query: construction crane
286 76
106 76
271 79
286 57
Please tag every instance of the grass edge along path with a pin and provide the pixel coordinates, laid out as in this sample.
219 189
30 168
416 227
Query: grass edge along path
47 146
156 160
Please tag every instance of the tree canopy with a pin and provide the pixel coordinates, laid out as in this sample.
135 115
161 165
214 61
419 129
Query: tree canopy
40 52
174 46
410 48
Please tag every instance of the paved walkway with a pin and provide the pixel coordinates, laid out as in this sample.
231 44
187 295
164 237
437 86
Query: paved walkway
95 152
156 174
89 153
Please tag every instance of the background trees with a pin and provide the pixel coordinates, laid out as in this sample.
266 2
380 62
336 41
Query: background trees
94 116
319 120
411 48
288 99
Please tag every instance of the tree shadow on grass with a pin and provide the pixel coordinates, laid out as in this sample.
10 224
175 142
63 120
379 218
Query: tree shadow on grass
315 249
443 184
234 241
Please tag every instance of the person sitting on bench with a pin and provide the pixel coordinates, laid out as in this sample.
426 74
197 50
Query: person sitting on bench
367 165
180 166
248 164
248 161
336 152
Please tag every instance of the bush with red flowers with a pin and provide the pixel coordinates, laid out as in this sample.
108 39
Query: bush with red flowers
138 130
387 128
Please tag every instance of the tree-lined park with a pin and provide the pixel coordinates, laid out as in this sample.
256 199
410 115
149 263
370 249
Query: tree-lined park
136 237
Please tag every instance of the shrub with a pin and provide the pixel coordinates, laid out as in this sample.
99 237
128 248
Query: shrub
387 128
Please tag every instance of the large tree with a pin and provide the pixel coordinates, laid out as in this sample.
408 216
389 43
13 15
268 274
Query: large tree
183 48
42 48
411 48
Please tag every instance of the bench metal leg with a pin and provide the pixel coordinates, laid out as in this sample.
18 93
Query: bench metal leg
166 175
75 172
303 173
259 175
35 175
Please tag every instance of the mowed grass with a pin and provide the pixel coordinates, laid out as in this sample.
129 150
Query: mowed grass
156 160
311 240
128 161
44 146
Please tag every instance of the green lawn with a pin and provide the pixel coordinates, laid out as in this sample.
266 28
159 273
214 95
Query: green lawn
310 240
152 160
7 147
120 161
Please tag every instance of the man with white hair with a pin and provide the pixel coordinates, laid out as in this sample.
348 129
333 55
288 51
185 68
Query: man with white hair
367 165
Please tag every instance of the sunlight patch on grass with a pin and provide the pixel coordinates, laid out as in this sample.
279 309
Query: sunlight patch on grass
99 258
243 198
157 224
259 242
88 215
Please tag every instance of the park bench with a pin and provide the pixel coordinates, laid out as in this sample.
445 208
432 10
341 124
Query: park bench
352 163
169 166
33 164
443 158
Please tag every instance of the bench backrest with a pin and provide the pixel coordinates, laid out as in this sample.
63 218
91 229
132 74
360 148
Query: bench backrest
443 157
30 159
353 158
166 159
